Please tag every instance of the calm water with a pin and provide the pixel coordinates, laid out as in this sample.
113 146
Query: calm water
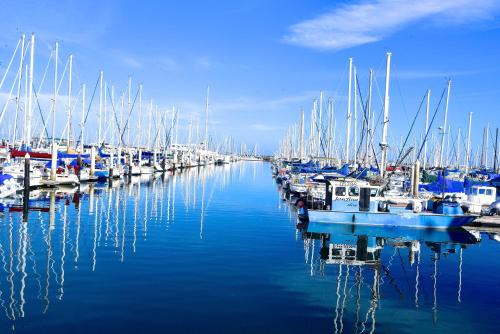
217 250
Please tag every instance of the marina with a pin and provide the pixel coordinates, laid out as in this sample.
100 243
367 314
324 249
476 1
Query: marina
249 167
157 253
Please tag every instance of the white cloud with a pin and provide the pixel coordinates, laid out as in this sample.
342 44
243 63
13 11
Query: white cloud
204 63
168 64
264 127
131 62
370 21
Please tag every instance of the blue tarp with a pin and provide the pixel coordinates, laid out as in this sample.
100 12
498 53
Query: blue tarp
60 163
344 170
450 186
75 162
102 154
62 155
4 177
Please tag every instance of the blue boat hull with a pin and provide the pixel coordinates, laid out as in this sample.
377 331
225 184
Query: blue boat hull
407 219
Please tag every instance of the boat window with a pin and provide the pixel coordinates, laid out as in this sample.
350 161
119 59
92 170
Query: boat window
474 191
353 191
481 191
340 191
488 192
373 192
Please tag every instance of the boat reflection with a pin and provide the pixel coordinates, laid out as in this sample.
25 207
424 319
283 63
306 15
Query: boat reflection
370 254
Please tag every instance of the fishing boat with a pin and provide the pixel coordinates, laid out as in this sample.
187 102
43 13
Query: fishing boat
342 207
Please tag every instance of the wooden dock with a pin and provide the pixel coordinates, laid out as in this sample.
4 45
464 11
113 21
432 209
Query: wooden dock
486 223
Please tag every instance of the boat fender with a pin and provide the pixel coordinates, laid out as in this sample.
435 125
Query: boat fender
382 206
416 206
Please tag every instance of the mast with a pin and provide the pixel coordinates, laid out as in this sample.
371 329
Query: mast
426 126
495 164
99 116
206 118
56 60
487 145
467 154
445 124
150 114
129 108
458 149
369 111
383 144
18 99
30 94
82 125
69 101
301 145
320 124
355 148
348 134
139 132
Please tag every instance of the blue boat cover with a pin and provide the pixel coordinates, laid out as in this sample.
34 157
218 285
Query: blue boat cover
4 177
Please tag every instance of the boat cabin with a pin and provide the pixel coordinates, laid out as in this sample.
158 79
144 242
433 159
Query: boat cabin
482 195
345 195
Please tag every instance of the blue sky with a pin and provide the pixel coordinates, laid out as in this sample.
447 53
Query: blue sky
264 59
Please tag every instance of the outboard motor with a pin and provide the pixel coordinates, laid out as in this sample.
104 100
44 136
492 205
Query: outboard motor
494 209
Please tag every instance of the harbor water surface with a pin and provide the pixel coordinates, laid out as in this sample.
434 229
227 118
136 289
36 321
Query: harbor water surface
216 249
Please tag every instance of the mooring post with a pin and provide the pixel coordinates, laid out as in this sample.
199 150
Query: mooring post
92 161
26 191
79 165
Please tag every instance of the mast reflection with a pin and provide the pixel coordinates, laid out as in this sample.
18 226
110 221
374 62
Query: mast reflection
364 259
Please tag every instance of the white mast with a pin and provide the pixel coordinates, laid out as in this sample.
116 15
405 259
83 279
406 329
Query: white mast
445 124
30 94
368 112
486 146
82 125
139 134
424 165
320 124
129 108
355 155
99 116
467 153
150 114
69 101
348 134
206 118
56 60
18 99
383 143
458 149
301 144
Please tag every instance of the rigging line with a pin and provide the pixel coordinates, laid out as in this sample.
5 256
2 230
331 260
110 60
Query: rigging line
129 114
366 120
40 111
364 107
432 121
411 129
114 111
10 63
400 92
88 110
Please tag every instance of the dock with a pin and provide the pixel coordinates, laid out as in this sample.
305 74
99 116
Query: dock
486 223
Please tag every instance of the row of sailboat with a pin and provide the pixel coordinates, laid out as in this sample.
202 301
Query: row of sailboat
424 182
115 136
